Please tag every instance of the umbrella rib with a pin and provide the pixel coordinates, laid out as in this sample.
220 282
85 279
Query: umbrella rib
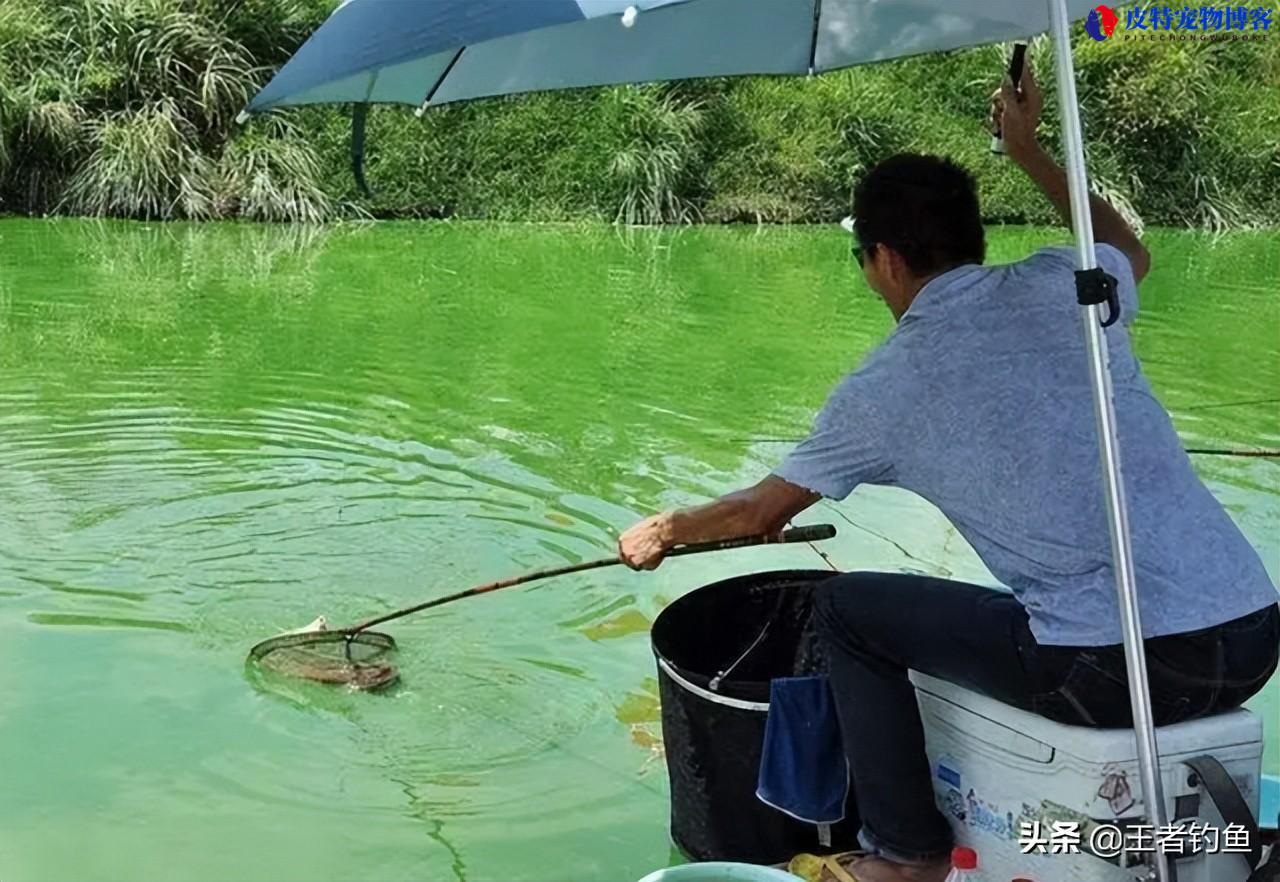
813 40
435 87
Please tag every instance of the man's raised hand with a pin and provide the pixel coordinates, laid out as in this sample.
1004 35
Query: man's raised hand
1016 115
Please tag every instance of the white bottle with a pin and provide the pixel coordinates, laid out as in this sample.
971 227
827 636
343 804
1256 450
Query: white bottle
963 860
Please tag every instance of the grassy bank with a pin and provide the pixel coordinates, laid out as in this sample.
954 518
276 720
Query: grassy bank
126 108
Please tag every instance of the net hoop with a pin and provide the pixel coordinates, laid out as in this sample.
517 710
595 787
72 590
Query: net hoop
384 642
361 674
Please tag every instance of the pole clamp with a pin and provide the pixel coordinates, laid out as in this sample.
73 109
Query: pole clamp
1093 287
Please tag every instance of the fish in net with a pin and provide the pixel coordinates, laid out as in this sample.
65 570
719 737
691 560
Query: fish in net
357 659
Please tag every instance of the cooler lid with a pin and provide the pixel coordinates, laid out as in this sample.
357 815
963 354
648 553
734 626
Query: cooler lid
951 711
1235 727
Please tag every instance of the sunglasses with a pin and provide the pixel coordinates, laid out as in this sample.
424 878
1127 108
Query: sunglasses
860 254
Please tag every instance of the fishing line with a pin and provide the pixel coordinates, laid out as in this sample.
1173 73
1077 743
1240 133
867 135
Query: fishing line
768 623
718 678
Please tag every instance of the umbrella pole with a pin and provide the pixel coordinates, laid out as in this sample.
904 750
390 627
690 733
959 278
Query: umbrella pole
1104 411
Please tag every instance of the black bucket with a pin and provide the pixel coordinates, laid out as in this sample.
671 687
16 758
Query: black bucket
713 738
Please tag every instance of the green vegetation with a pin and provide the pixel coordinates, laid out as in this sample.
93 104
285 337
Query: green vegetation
126 107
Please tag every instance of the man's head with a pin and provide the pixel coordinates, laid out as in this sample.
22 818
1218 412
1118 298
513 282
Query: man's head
915 217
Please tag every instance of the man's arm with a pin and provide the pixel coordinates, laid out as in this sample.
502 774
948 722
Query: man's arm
1018 117
764 508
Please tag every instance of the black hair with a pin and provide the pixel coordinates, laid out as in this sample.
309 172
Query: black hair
923 207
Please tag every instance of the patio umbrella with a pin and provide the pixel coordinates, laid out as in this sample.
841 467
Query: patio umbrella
429 52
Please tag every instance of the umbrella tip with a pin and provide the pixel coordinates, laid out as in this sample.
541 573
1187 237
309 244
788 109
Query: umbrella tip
629 16
242 117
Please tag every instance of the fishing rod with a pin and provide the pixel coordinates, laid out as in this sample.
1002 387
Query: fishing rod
1263 453
1209 451
1240 403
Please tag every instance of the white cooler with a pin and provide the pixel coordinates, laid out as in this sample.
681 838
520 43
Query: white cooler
995 767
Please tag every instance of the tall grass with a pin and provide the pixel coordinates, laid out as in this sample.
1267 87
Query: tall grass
652 163
274 177
143 164
125 108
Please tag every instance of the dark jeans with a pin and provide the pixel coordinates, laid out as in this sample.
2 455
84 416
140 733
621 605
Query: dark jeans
877 625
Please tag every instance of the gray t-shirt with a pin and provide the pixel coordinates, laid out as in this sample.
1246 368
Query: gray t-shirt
979 401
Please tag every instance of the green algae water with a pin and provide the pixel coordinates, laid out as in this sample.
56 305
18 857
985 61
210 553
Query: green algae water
212 433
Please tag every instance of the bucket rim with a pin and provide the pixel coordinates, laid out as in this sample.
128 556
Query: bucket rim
810 575
706 694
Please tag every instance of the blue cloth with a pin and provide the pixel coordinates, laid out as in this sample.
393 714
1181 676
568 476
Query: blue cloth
979 401
803 770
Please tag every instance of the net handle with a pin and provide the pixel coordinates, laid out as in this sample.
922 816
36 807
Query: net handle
815 533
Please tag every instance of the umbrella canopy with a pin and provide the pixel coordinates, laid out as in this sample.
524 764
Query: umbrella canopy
428 52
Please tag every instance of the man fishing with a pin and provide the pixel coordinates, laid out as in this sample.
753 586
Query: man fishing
979 402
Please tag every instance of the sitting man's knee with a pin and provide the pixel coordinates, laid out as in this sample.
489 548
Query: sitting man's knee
824 605
834 603
841 603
